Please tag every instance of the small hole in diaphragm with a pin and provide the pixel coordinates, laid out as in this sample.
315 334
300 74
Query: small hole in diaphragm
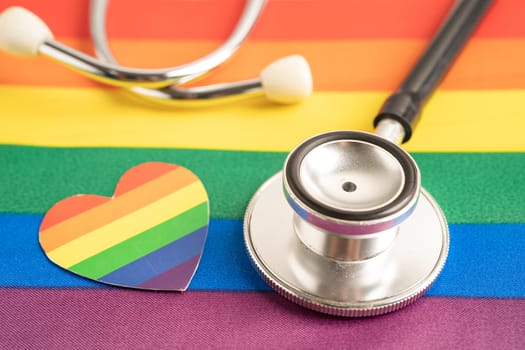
349 186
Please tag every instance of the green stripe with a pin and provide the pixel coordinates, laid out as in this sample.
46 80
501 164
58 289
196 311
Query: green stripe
138 246
470 187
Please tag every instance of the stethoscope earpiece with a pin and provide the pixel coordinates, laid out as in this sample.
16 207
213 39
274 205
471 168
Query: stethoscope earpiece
287 80
22 32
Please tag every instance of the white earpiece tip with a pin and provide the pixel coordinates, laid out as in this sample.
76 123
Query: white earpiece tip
287 80
22 32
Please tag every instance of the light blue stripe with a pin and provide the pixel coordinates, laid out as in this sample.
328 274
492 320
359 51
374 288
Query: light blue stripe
485 260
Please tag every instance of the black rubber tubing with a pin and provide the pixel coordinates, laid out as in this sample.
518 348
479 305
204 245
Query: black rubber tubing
405 104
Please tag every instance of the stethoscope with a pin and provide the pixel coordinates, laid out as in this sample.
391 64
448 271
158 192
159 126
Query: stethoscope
287 80
346 228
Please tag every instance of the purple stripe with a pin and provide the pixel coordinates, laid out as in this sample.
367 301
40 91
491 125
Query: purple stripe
118 318
177 278
159 261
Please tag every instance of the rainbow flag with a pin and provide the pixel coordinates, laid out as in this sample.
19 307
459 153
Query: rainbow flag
62 134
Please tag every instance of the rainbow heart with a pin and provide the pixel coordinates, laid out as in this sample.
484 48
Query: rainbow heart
149 235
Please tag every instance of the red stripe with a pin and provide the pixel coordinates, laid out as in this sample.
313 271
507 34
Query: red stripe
281 20
75 205
116 318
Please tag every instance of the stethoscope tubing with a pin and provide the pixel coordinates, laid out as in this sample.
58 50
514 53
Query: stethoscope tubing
405 104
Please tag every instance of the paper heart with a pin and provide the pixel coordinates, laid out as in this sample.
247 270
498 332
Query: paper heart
149 235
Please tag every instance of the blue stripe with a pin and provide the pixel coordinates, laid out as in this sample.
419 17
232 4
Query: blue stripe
484 260
159 261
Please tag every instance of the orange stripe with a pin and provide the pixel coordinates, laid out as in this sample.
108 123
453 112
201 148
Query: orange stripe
142 174
103 214
75 205
280 20
336 65
135 177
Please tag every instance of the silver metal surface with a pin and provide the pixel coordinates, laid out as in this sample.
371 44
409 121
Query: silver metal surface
110 73
342 247
113 74
173 94
391 130
202 95
351 175
97 29
385 282
347 174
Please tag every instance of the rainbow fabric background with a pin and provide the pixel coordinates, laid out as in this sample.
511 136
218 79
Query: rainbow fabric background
61 134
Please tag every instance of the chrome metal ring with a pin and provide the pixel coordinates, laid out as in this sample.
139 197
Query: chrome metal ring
294 162
351 182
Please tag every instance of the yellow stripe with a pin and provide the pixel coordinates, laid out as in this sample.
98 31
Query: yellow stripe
477 120
128 226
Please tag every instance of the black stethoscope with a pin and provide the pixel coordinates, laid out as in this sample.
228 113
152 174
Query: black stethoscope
346 228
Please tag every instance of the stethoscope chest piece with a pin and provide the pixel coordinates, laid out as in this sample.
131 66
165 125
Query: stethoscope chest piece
346 228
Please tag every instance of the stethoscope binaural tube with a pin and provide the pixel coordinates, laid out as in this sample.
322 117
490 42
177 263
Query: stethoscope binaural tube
294 78
22 33
346 228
